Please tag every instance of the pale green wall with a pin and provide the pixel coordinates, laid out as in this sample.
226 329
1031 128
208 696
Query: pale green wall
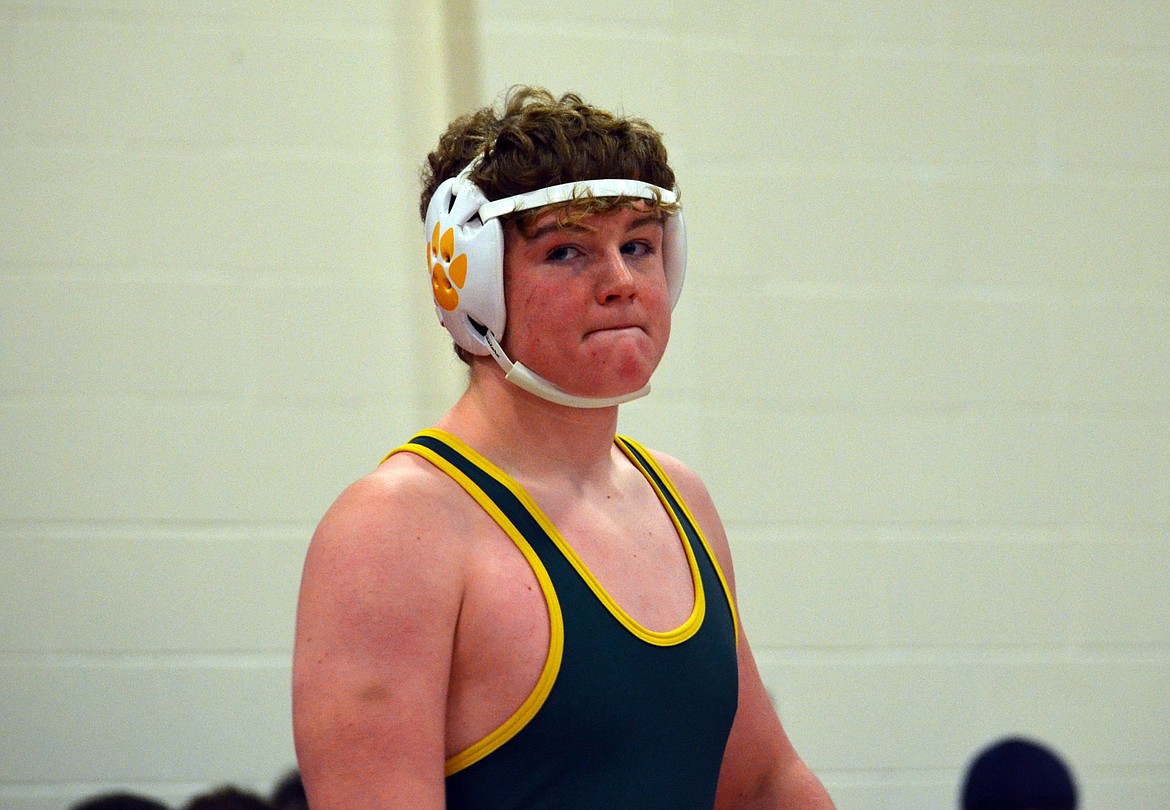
922 359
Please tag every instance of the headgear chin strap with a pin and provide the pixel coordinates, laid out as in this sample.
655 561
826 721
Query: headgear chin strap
465 257
524 377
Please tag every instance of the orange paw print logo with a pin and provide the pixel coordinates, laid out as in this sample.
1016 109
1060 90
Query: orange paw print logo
448 272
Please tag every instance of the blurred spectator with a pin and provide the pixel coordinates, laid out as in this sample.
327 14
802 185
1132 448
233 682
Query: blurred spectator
119 801
289 793
1018 774
228 798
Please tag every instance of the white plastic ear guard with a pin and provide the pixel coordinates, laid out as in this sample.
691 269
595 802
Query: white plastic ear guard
465 257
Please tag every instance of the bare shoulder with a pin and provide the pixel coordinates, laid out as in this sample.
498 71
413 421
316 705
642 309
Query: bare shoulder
391 518
384 559
403 500
379 604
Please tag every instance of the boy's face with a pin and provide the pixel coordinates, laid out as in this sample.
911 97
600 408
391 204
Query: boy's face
587 303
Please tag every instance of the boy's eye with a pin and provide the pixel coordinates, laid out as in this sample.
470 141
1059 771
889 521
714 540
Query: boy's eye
560 254
635 248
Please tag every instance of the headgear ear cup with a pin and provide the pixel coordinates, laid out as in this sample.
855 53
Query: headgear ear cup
465 257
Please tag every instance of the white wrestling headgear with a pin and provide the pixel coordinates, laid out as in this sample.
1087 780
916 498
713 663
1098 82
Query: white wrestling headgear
465 259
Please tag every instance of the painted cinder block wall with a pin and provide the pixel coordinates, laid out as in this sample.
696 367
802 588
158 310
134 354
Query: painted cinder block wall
922 359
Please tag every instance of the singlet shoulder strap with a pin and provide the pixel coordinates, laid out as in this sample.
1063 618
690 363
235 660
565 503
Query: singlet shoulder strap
494 496
673 500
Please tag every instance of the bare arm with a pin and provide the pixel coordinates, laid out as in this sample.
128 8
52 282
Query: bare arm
761 769
375 626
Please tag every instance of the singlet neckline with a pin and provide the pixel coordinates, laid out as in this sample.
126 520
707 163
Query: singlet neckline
677 635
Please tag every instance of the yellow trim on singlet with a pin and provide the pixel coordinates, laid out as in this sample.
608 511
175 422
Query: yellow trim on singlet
687 511
663 638
552 665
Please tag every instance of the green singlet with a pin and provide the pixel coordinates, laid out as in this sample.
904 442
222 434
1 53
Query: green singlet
622 716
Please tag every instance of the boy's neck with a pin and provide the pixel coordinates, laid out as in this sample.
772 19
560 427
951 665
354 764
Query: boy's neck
528 437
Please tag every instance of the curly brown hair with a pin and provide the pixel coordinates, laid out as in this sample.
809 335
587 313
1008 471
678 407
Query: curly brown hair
537 140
